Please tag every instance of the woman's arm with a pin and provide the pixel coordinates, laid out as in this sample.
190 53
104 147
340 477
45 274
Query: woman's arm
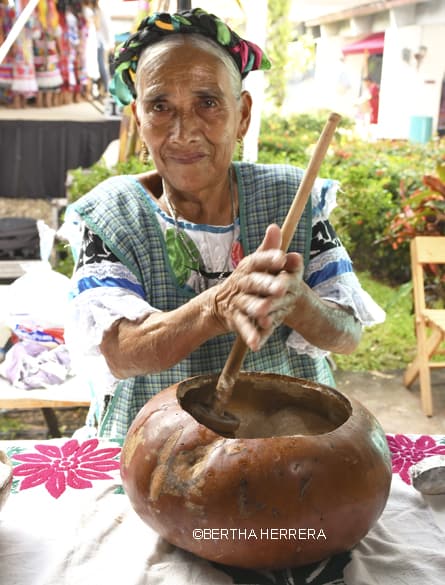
324 324
160 340
245 303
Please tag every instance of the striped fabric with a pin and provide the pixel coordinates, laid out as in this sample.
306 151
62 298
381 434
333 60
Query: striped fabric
265 195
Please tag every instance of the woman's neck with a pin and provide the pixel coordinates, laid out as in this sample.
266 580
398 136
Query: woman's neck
215 206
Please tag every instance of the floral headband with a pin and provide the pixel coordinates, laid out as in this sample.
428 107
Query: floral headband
247 56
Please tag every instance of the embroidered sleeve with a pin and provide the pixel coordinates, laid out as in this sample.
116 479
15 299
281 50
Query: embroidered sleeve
93 250
103 291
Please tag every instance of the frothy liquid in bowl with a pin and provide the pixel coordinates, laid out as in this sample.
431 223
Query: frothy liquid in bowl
275 408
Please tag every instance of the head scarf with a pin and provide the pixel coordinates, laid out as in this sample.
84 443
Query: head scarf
247 56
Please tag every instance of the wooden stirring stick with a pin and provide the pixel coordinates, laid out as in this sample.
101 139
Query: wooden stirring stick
215 417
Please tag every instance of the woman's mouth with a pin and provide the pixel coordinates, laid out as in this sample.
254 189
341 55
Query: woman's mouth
187 158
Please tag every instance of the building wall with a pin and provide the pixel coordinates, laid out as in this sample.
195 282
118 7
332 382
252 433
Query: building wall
409 86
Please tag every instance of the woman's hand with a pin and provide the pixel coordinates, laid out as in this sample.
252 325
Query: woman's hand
261 292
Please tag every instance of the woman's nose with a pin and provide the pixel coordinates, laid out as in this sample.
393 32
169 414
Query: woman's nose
184 126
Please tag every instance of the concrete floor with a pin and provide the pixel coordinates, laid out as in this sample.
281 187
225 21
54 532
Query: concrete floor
396 408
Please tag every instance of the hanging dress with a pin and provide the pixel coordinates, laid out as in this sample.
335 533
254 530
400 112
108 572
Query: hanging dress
24 81
73 37
7 17
46 53
91 44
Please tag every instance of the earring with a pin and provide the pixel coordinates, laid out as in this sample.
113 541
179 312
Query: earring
240 148
144 155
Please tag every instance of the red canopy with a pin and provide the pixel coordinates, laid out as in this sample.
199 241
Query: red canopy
371 44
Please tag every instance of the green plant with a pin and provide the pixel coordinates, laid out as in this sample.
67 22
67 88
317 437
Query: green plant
370 175
390 345
422 213
291 139
81 180
277 48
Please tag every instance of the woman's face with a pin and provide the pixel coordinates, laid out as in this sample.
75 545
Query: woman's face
189 117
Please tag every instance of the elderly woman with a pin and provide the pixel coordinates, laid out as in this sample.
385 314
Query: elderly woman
176 261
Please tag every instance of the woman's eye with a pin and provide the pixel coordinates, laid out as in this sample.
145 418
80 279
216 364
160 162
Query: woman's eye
209 102
159 107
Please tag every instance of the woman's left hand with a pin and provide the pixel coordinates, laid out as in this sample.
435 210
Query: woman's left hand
290 277
261 292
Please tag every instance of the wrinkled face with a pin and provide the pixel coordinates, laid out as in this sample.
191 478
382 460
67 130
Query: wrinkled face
189 116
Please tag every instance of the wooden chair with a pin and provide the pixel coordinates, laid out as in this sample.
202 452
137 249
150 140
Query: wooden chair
430 323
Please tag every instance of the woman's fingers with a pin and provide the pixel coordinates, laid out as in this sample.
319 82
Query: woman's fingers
262 284
261 291
271 261
294 262
265 285
253 335
272 238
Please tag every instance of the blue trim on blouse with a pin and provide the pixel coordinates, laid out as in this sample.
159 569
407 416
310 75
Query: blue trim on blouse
89 282
332 269
327 184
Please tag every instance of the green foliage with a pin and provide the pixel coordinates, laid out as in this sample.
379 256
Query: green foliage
392 344
368 196
81 181
291 139
280 34
374 178
422 213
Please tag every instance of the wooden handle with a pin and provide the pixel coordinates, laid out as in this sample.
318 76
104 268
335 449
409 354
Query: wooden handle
232 367
228 376
304 189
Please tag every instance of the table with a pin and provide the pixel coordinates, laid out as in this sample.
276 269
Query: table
68 522
73 392
12 269
70 394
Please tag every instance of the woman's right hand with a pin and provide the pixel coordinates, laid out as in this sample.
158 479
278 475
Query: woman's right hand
260 292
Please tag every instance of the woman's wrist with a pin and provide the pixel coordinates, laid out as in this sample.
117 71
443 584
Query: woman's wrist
211 307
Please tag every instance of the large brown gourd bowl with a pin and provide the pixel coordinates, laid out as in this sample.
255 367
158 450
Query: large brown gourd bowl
306 477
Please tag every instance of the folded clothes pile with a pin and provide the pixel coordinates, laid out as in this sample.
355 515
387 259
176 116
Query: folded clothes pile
29 364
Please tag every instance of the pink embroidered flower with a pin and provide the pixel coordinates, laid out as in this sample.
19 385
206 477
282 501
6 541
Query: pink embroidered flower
72 464
406 452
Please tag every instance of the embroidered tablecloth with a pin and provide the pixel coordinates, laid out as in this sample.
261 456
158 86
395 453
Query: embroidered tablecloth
68 522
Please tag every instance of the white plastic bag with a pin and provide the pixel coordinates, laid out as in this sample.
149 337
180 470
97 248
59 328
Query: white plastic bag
37 301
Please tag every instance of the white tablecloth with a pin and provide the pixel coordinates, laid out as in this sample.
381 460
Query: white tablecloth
68 522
